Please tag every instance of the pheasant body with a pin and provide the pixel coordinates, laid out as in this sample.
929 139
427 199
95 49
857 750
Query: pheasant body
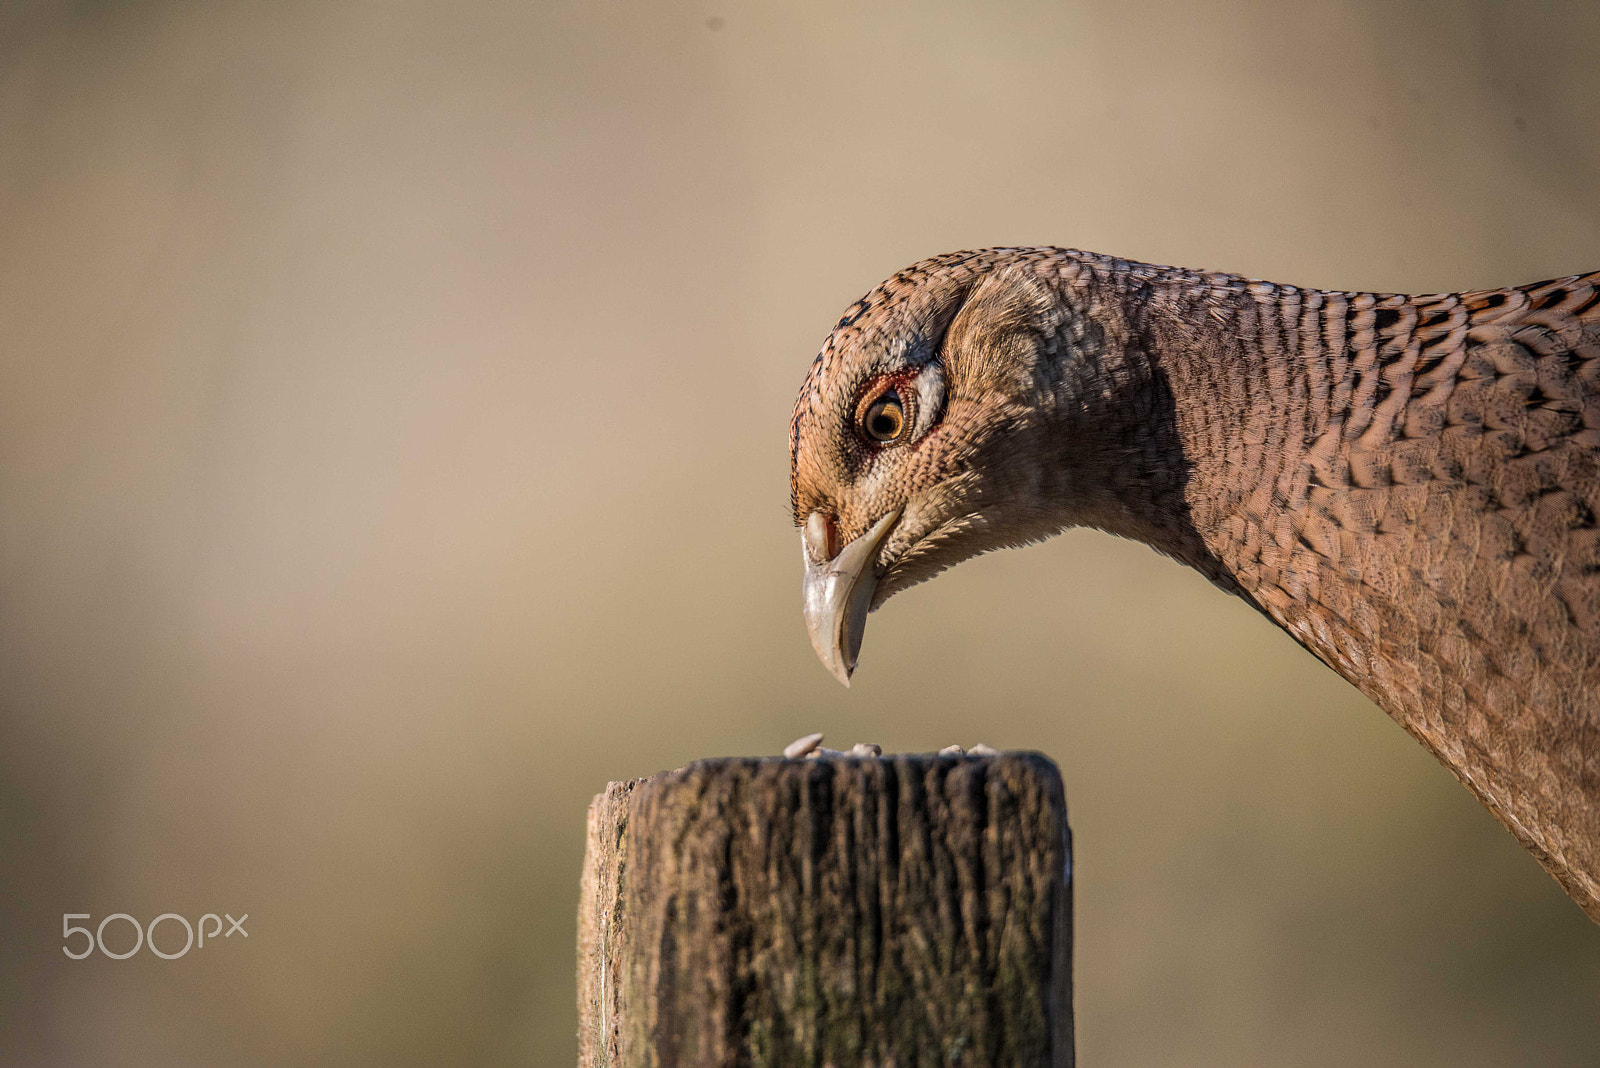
1407 485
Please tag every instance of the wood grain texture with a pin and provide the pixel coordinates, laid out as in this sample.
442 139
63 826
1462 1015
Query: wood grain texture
903 910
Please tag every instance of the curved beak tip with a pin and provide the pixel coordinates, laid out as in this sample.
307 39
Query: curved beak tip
837 593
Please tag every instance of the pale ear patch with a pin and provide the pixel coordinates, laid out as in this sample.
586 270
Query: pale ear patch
929 389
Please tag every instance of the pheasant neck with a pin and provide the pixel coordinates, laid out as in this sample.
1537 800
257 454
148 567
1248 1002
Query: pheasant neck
1354 466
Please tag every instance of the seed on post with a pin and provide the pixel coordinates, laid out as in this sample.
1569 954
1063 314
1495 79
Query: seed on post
801 746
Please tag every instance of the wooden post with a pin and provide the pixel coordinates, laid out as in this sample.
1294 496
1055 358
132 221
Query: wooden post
836 911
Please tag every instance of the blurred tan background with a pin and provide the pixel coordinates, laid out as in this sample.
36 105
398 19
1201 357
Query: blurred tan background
393 402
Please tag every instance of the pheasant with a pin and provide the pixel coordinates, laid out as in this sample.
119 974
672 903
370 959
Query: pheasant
1408 485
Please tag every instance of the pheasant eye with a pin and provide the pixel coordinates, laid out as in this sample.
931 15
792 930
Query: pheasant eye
885 418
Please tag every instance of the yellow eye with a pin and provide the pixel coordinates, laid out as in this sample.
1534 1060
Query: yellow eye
885 418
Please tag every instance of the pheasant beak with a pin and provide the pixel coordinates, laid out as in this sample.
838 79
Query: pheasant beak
837 592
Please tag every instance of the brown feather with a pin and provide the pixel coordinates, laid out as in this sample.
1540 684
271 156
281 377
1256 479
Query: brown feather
1408 485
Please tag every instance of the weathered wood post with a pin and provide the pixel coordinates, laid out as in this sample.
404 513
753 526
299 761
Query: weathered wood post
898 910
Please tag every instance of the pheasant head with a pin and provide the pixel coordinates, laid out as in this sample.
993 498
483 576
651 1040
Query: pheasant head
944 417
